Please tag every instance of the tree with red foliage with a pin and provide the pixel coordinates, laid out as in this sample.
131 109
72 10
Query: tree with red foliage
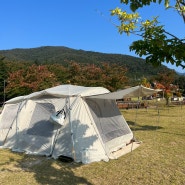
28 80
165 81
110 76
33 78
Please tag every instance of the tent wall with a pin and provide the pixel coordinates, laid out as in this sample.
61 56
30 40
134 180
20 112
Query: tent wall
86 139
110 123
37 135
35 130
8 120
30 129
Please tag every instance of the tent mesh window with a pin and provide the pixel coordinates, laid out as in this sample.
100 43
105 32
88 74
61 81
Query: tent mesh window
40 124
9 116
108 119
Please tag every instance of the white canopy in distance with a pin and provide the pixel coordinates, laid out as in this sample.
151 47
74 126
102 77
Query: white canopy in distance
137 91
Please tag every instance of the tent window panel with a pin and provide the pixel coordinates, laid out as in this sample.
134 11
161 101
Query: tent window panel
40 124
9 116
108 119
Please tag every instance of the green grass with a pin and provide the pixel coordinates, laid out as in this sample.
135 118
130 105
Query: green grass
160 160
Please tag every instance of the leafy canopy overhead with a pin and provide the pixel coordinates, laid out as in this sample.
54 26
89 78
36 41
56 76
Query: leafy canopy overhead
156 43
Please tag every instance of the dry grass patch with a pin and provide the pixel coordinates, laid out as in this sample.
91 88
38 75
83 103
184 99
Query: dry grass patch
159 159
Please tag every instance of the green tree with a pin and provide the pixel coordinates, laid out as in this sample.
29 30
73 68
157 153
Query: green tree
3 76
145 82
180 81
61 72
156 43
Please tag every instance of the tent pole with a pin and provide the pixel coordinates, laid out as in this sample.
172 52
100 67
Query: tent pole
138 101
15 119
59 130
158 114
72 136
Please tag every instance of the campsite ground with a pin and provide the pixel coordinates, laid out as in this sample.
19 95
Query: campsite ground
158 161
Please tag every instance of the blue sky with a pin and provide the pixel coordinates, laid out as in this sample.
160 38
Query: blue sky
82 24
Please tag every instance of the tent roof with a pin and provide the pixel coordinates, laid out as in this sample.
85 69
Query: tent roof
62 91
137 91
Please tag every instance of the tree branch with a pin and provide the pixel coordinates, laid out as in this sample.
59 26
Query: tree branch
180 3
173 36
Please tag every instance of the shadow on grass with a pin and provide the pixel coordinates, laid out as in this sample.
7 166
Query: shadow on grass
171 133
41 169
50 171
136 127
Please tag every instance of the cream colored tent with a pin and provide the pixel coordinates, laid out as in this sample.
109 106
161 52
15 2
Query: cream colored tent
82 123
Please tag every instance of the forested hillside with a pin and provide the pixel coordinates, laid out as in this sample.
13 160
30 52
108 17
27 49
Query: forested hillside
51 54
23 71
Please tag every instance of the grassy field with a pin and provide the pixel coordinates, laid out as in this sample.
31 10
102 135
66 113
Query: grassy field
160 160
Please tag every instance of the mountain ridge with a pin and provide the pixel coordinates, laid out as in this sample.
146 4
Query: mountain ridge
60 54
